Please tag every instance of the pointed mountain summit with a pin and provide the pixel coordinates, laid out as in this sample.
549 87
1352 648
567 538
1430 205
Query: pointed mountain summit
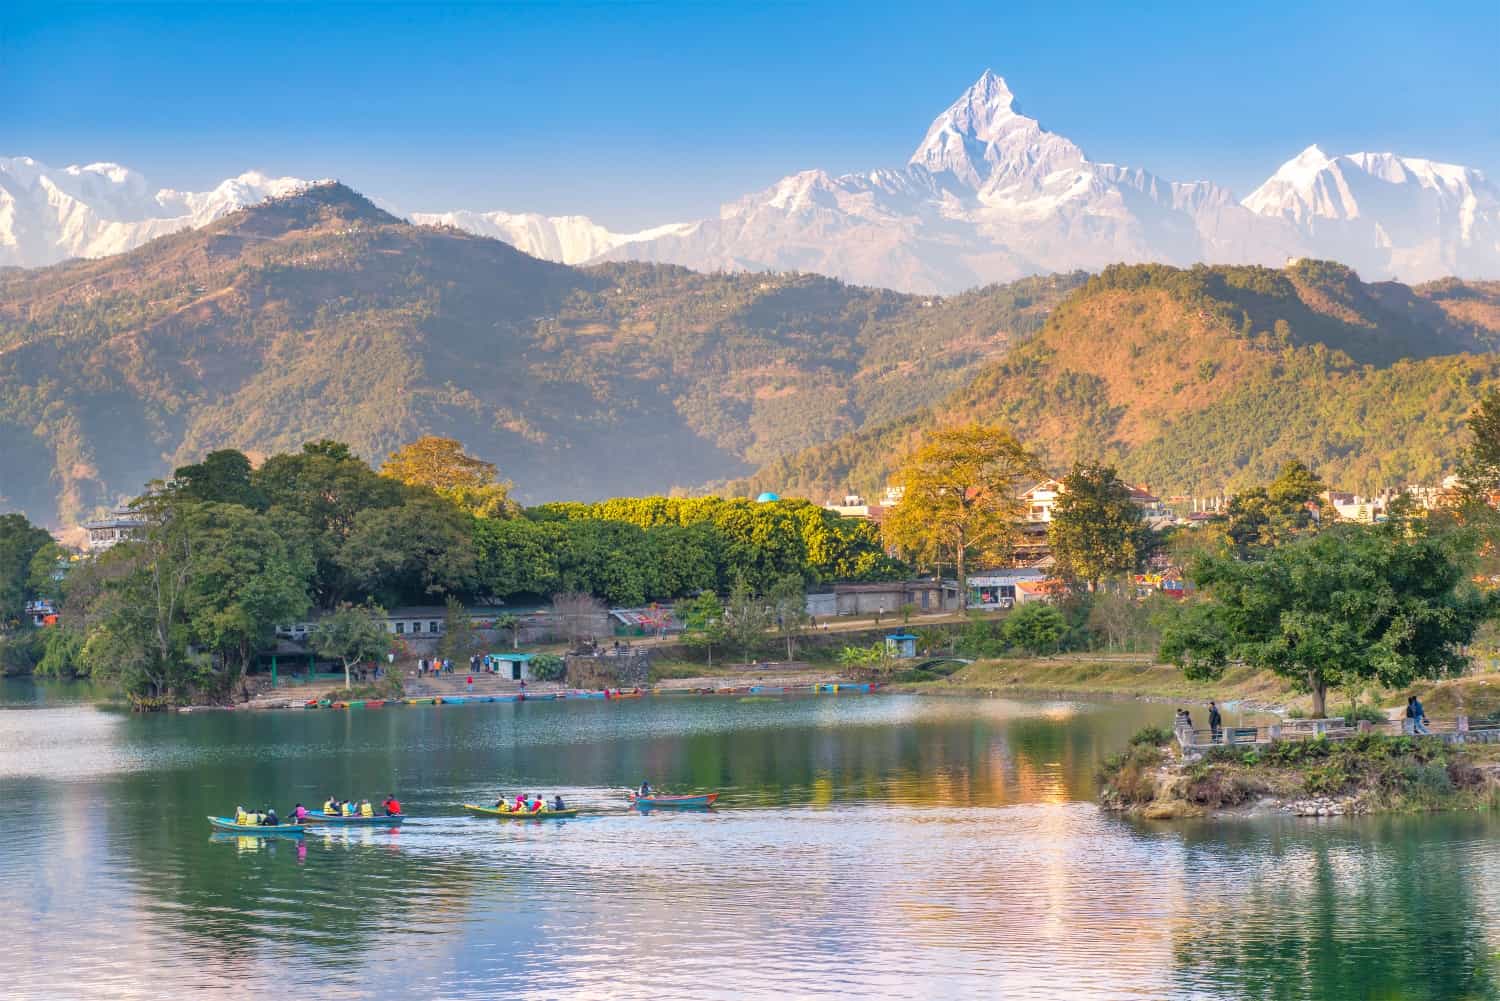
983 137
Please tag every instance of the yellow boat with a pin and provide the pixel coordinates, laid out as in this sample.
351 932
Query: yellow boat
545 814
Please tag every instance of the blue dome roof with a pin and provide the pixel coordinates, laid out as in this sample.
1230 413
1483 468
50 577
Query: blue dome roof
766 498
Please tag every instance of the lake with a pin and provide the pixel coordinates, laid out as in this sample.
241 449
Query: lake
864 846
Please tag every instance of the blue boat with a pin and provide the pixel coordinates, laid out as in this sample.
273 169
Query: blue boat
254 830
699 802
379 820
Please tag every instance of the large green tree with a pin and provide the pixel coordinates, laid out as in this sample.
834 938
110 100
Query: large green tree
1287 508
960 497
223 477
1355 604
20 541
747 616
352 634
422 548
1096 529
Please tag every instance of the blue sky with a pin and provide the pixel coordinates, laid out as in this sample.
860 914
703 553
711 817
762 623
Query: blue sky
643 113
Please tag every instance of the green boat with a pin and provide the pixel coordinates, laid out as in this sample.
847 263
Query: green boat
254 830
490 811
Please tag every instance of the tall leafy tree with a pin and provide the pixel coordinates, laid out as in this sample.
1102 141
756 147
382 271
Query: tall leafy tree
1285 509
458 641
1355 604
788 601
960 496
746 618
352 634
421 548
702 621
20 541
442 465
1096 529
222 477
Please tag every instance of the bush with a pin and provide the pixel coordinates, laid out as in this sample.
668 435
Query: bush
1130 774
1369 713
548 667
1151 736
1216 787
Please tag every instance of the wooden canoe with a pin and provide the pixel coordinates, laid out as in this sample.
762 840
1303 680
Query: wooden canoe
252 830
548 814
673 802
379 820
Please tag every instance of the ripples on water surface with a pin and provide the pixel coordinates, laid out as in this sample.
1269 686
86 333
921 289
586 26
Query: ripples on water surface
865 847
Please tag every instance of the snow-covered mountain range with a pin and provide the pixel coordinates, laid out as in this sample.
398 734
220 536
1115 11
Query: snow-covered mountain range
988 195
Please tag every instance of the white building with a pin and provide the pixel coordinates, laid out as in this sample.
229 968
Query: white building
121 523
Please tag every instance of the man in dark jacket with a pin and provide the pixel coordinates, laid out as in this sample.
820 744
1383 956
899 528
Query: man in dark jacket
1215 721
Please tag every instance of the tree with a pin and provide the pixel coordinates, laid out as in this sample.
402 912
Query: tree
702 621
352 634
442 465
746 618
1096 529
1279 512
1118 616
223 477
510 622
1386 603
423 547
458 641
244 581
960 496
582 616
788 601
1035 627
1479 463
20 541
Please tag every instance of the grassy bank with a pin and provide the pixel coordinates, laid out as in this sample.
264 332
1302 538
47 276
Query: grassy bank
1106 675
1370 773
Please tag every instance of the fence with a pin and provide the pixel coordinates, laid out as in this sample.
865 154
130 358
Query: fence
1459 730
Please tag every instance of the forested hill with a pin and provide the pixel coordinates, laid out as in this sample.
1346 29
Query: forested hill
1211 377
319 315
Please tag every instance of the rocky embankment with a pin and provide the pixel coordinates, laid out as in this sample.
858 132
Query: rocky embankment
1371 773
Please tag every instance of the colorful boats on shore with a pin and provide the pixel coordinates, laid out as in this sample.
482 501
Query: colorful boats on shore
612 694
255 830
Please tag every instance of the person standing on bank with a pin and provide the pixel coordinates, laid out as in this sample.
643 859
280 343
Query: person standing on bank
1215 721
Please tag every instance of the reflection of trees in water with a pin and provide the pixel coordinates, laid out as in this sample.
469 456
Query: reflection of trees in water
1370 908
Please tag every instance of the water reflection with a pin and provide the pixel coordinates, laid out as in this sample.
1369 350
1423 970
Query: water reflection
874 847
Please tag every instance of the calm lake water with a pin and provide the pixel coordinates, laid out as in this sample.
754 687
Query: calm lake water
865 846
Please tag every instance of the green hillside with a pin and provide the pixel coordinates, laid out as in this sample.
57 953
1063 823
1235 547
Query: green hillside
1203 379
319 315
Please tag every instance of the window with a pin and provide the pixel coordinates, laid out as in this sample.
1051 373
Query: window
400 628
432 627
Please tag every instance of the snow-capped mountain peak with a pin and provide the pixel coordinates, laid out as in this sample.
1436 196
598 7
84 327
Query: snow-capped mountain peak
982 138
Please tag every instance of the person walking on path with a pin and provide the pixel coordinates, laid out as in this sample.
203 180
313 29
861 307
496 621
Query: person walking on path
1215 721
1417 715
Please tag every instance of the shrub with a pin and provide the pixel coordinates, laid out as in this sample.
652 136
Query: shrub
1152 736
548 667
1326 779
1215 787
1373 714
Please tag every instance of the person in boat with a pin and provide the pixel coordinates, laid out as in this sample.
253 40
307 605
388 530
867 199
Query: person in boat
520 801
392 805
299 813
365 809
239 815
330 807
268 817
537 804
645 790
501 804
557 803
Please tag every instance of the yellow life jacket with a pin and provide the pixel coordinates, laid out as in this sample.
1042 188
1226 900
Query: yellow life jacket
239 816
366 810
252 820
348 809
328 807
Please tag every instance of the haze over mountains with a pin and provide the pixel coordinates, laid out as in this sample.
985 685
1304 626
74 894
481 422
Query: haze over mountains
988 195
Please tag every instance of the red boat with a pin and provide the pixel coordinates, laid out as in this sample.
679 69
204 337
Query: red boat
673 802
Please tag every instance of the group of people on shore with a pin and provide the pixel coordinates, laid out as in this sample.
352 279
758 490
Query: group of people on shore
529 803
433 665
